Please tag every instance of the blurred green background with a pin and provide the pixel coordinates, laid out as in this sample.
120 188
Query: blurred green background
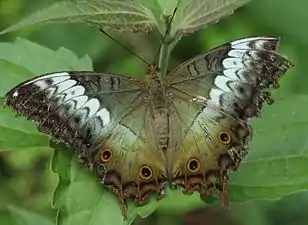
26 181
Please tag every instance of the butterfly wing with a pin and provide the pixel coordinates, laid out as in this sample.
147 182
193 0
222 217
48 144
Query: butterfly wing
210 143
102 117
66 102
213 95
235 73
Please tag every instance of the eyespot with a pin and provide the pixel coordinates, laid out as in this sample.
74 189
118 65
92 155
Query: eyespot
193 165
145 173
106 155
224 138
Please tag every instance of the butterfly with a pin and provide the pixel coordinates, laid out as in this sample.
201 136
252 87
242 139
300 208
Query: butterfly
186 129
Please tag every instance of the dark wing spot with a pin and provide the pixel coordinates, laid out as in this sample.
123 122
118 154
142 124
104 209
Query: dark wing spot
48 81
77 120
164 148
241 90
88 133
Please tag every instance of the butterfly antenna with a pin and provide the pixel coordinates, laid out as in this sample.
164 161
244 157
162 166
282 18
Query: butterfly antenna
124 46
165 35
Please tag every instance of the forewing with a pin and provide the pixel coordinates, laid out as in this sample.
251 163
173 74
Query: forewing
75 107
234 75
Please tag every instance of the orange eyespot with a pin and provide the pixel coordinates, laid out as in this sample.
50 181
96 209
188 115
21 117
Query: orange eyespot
145 173
193 165
224 138
106 155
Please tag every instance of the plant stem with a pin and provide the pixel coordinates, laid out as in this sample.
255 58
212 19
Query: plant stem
163 60
164 55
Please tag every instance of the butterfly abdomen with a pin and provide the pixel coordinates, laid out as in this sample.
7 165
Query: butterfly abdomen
160 115
161 126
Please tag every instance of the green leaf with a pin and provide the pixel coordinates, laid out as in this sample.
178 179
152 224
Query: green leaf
167 7
273 17
105 14
198 14
22 52
24 217
11 74
278 160
16 133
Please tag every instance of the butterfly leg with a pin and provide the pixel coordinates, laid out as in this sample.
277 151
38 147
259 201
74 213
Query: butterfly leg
160 192
222 187
123 208
122 199
123 204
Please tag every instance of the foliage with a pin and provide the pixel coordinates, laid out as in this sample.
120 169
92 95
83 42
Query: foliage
132 16
278 155
24 217
104 14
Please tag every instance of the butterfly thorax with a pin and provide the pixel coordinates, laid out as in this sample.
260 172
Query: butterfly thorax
160 114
